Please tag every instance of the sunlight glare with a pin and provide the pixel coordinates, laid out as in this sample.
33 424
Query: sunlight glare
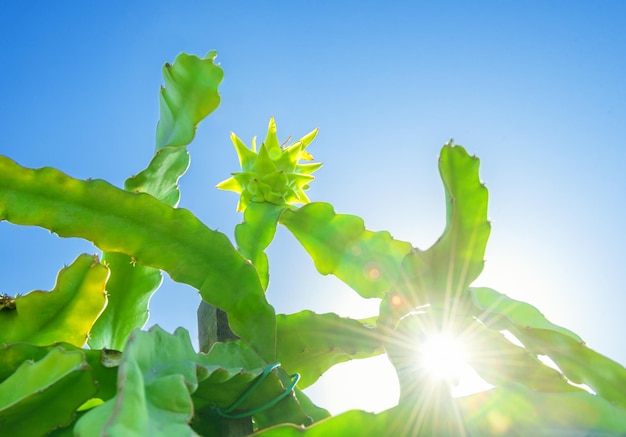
443 356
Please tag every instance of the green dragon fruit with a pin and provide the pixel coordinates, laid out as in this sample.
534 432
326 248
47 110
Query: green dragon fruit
273 174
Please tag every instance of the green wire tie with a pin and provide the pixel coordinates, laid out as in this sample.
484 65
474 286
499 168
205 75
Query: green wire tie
227 412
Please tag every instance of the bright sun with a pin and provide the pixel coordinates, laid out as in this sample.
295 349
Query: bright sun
444 357
372 384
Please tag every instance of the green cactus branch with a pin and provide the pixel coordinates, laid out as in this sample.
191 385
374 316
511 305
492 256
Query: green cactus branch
151 232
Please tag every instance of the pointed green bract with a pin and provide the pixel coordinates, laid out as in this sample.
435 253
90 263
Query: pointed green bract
367 261
153 233
256 233
274 174
65 314
189 95
41 396
310 343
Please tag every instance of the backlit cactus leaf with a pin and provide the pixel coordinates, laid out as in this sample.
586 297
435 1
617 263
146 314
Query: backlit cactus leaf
161 381
296 408
129 288
310 343
311 410
440 276
460 250
354 422
161 177
498 361
43 395
65 314
367 261
424 419
256 233
578 363
274 173
503 313
146 229
189 95
445 270
503 411
232 367
515 410
102 363
511 410
156 376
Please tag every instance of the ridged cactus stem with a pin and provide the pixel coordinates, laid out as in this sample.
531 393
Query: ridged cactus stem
213 328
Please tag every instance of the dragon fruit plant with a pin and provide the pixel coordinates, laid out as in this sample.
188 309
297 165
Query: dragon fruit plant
75 360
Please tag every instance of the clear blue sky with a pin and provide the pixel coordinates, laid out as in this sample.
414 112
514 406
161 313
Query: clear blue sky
536 89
